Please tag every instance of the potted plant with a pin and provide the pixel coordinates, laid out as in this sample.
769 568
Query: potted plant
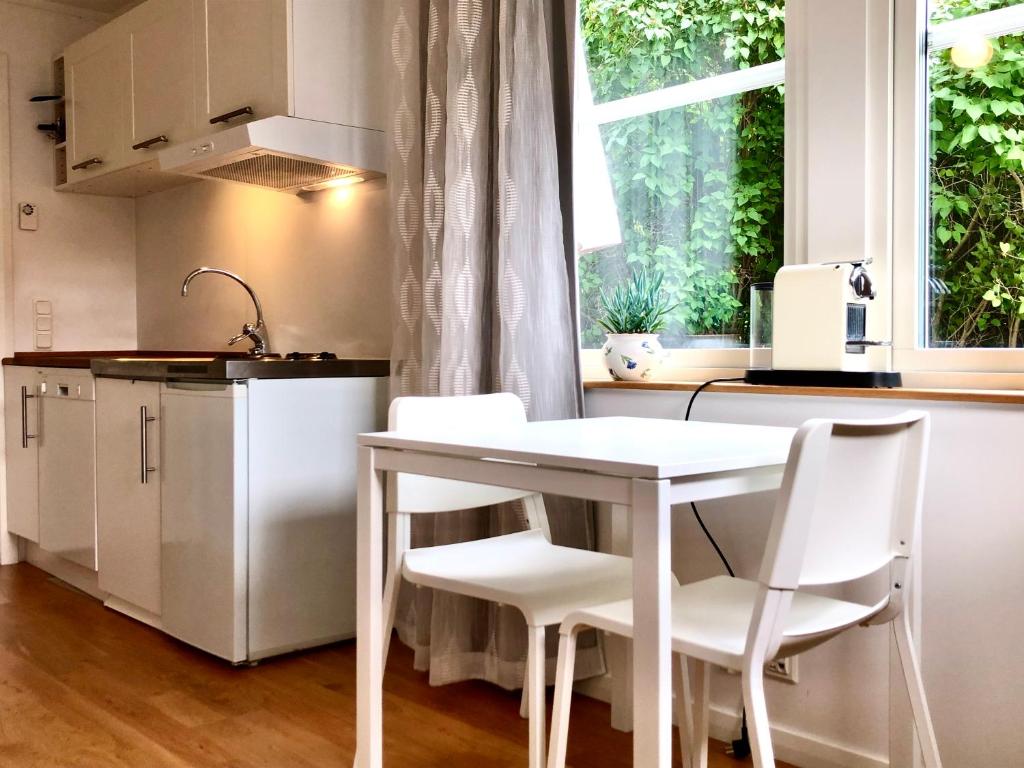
634 314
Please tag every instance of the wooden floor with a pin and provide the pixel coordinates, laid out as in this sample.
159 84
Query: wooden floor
84 686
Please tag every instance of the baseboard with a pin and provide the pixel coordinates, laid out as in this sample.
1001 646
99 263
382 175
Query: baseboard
800 749
133 611
74 574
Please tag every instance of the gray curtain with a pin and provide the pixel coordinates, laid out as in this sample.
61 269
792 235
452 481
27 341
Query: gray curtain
483 273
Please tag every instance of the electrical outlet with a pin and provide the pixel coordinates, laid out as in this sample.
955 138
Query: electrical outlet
783 669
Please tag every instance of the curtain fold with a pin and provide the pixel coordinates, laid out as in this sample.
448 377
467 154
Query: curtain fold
483 273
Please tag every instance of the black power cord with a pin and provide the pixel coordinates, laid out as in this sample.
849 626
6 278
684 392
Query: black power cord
740 748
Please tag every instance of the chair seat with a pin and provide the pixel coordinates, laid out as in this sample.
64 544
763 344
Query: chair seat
524 570
710 619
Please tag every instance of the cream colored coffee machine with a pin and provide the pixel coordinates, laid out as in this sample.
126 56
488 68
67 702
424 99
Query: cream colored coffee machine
819 323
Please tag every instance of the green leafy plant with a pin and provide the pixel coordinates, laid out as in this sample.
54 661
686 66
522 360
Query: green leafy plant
638 306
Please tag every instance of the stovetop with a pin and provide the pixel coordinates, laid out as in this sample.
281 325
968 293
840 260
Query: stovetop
311 356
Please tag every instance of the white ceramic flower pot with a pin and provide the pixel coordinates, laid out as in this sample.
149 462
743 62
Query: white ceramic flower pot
633 356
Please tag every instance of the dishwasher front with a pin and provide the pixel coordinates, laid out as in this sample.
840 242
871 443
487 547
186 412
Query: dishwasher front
67 465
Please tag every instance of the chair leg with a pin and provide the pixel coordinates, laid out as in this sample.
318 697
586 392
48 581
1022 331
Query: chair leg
535 662
391 587
563 700
757 718
915 689
701 714
684 710
524 700
398 543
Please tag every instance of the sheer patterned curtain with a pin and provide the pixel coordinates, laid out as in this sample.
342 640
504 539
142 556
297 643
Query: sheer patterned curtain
484 283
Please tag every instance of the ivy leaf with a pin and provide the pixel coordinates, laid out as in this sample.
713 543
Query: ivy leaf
989 133
974 111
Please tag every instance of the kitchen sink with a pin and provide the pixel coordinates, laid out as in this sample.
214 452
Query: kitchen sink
234 368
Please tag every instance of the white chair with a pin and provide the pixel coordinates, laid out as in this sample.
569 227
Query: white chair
525 570
848 508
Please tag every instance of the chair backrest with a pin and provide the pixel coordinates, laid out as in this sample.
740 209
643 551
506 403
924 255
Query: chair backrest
442 415
850 500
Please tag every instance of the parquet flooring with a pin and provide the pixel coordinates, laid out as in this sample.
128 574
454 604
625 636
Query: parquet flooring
84 687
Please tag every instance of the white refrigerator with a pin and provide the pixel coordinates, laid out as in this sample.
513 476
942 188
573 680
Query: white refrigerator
258 501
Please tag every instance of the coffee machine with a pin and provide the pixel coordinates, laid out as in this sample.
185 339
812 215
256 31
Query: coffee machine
819 326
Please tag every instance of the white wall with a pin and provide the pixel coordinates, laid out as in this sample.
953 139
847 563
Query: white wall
82 257
319 265
973 575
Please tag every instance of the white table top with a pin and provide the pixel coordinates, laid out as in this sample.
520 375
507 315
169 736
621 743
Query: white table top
619 445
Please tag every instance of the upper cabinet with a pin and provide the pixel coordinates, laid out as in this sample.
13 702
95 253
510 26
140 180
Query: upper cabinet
95 69
243 59
170 71
162 83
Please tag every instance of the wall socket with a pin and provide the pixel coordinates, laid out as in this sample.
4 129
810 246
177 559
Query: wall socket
783 669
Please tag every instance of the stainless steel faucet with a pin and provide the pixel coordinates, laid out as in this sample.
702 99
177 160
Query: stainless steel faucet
256 332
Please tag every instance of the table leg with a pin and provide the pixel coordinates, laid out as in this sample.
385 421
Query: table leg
369 613
652 619
619 650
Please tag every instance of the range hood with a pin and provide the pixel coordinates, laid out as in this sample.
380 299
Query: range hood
287 154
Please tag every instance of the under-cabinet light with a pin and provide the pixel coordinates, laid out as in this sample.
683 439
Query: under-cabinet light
334 184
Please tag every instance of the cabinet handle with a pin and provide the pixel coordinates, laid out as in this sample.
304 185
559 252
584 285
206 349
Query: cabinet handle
144 419
86 163
161 139
25 436
231 115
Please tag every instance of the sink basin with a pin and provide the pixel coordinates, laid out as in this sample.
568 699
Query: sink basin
233 368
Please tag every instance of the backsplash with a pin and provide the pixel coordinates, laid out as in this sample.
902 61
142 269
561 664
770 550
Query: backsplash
319 265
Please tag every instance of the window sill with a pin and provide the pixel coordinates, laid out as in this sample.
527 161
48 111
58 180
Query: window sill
992 396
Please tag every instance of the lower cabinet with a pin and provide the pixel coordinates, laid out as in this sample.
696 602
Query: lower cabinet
21 404
128 490
51 467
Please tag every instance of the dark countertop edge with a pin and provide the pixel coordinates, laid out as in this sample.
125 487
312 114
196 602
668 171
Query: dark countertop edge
84 358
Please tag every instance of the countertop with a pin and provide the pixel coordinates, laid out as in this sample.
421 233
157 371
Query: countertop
192 365
83 359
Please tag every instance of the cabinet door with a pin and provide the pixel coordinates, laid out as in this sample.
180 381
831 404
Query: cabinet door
127 493
21 403
162 76
242 59
204 504
95 69
67 477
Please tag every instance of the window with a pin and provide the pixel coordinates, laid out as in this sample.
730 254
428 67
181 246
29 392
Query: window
974 291
679 161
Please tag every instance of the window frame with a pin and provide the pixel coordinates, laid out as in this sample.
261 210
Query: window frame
979 367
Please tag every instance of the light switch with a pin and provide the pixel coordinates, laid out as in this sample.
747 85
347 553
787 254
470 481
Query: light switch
28 217
42 325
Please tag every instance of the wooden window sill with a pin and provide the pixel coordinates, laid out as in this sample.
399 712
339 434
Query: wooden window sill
997 396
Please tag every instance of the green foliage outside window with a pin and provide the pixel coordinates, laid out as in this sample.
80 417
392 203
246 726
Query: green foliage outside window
977 192
699 188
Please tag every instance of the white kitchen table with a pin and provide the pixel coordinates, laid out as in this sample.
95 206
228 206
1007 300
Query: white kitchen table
645 464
